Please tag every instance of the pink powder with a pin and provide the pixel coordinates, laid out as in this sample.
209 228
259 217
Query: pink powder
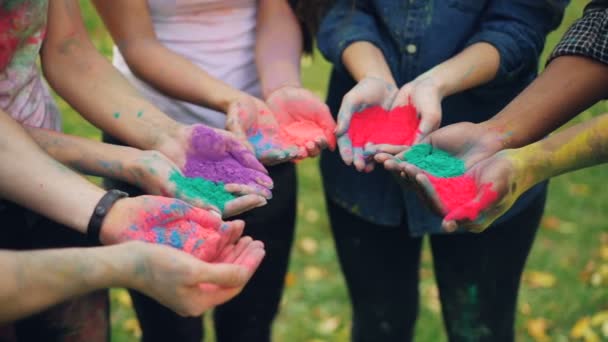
301 132
458 196
379 126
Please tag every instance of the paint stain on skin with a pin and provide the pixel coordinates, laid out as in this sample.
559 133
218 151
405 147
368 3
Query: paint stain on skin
174 224
116 115
378 126
140 113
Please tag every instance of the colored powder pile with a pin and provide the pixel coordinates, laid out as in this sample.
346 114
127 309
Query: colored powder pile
379 126
301 132
434 161
458 196
211 161
199 188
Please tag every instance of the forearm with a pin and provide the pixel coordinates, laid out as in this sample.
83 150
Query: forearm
94 87
278 45
568 86
32 179
363 59
577 147
88 156
34 280
474 66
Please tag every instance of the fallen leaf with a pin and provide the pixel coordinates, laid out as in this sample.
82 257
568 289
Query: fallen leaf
587 271
605 329
599 318
431 296
329 325
311 216
591 336
537 329
290 279
580 328
525 309
578 190
551 222
308 245
604 252
313 273
539 279
123 298
132 326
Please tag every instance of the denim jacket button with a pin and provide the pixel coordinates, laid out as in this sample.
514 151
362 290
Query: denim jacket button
411 49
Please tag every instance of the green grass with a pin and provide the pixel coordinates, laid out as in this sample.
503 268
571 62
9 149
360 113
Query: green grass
315 305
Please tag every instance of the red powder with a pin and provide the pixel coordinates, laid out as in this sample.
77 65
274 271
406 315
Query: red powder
458 196
379 126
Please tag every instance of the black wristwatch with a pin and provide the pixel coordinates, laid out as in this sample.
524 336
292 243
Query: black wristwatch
101 210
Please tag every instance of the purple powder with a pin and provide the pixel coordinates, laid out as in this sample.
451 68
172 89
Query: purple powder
221 159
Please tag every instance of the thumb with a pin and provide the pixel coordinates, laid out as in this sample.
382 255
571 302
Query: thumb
223 275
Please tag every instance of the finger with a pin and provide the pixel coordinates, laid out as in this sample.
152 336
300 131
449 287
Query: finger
402 98
345 113
264 183
430 193
386 148
392 165
429 122
382 157
224 275
205 218
370 166
312 149
358 159
232 231
238 249
252 256
321 142
346 149
244 189
242 204
244 156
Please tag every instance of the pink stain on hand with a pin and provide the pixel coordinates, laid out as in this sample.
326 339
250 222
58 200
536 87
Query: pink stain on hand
300 133
459 196
379 126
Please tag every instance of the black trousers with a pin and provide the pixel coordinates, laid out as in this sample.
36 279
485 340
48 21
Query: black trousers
249 316
84 318
478 276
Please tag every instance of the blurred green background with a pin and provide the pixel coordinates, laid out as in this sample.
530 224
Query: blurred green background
564 294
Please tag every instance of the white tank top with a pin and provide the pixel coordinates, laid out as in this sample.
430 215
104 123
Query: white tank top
216 35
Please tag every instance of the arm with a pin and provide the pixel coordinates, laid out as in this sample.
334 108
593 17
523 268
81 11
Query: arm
51 276
278 46
573 81
512 172
94 88
131 28
34 180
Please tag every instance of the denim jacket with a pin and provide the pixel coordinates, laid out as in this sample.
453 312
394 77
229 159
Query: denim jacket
414 36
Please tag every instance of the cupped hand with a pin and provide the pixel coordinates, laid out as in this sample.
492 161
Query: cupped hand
219 156
425 95
253 122
174 278
370 91
304 120
156 174
170 222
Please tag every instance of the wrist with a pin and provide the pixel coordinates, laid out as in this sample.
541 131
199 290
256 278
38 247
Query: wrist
529 167
114 222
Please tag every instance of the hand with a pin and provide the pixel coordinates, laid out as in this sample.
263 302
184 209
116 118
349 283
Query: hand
173 277
502 181
296 107
169 222
252 121
218 156
368 92
424 94
154 173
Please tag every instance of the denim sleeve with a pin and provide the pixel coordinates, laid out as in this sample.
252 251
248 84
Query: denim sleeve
346 22
518 28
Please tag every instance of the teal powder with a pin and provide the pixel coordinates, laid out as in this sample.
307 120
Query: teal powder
434 161
199 188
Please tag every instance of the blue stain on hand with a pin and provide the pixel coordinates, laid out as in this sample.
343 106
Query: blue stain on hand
160 235
175 240
198 244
